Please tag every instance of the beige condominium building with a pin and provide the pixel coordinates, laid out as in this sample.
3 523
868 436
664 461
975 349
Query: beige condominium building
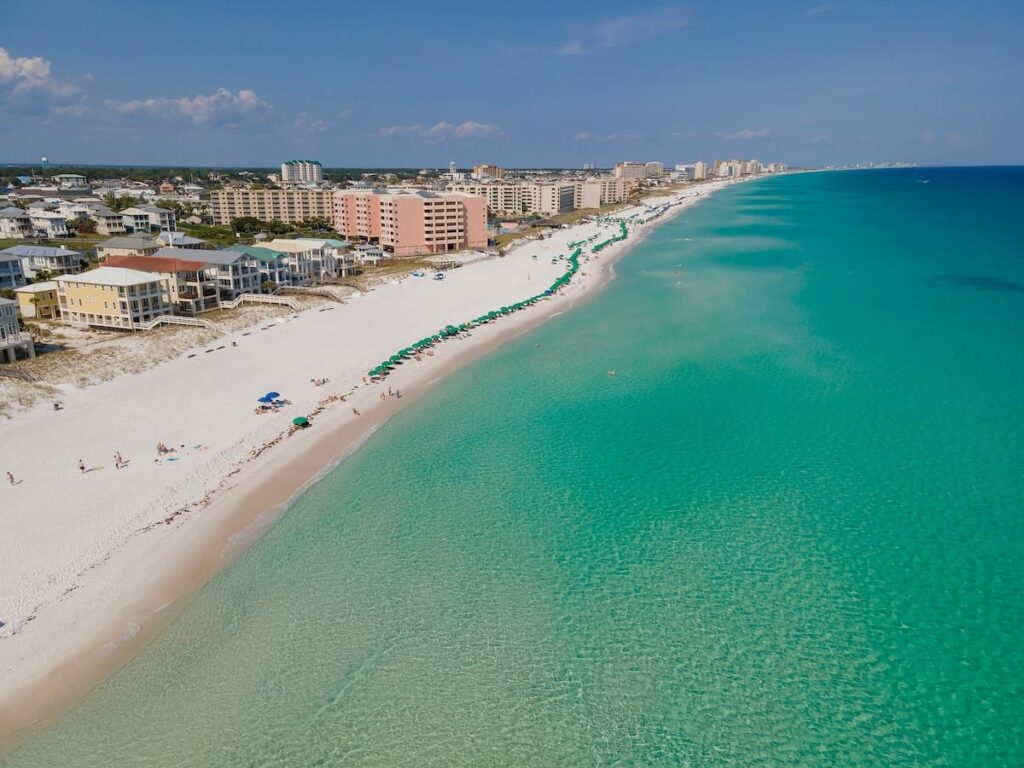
287 205
113 297
545 198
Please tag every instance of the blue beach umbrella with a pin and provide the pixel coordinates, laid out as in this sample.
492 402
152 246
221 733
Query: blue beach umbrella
272 395
266 399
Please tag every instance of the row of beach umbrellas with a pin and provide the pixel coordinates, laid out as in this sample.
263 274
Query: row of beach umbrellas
448 331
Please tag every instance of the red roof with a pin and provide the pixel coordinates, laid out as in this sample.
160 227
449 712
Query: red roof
156 264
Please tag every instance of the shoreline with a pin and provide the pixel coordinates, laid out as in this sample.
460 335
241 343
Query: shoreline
189 552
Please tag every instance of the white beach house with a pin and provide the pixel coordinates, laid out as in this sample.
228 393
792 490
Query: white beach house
38 258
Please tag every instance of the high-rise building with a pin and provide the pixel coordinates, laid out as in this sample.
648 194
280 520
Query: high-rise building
410 223
588 166
700 170
627 170
301 172
287 205
487 171
655 170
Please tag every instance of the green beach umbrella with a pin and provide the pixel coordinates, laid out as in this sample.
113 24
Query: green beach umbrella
300 421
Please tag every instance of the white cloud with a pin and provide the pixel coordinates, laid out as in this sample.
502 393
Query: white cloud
221 106
442 130
588 136
625 30
32 74
305 123
825 8
747 134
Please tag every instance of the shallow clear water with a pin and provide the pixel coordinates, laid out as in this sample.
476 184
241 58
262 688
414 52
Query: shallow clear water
787 532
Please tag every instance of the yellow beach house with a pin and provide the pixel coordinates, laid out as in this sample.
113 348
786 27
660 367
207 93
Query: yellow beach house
113 297
39 300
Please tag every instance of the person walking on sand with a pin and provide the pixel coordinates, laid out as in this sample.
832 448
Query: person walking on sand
118 461
81 467
10 478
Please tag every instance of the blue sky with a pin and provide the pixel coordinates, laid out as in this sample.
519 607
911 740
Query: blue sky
524 84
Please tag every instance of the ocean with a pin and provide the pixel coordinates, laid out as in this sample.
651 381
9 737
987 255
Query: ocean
788 531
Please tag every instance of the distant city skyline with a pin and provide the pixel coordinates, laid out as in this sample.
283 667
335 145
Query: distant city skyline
399 85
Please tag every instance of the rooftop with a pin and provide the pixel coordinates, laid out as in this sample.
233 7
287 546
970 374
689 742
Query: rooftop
220 257
38 250
255 252
178 238
49 285
138 243
157 263
115 276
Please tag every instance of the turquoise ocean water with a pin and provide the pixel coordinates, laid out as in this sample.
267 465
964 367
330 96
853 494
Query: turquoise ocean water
789 531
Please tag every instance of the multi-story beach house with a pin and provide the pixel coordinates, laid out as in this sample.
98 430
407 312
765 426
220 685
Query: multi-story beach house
76 208
368 254
337 259
12 338
272 264
303 260
162 219
235 272
126 246
39 300
71 181
113 297
48 223
135 221
142 219
108 222
38 258
15 224
192 282
12 274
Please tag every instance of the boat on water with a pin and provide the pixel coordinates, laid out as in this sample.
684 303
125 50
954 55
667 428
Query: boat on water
417 273
439 276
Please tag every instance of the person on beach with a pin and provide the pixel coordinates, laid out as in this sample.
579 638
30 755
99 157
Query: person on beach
355 411
81 467
10 478
118 461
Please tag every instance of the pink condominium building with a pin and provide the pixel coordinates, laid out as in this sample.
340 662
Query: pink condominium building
404 223
411 223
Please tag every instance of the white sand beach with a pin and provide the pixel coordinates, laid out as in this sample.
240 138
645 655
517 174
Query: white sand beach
90 562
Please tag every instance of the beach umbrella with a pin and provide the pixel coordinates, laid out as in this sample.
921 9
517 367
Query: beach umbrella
273 394
300 421
266 399
395 358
